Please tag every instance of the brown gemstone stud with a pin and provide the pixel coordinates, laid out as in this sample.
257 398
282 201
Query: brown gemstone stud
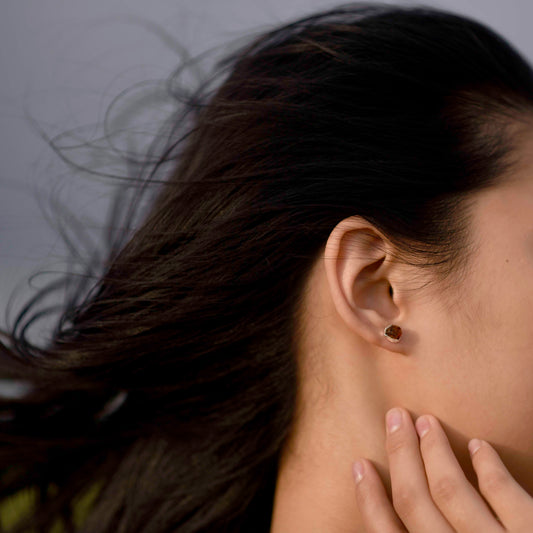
393 333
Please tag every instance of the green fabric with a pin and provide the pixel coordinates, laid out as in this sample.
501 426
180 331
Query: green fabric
17 506
12 509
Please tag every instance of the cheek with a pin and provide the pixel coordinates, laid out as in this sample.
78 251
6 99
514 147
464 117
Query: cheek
473 364
509 349
487 371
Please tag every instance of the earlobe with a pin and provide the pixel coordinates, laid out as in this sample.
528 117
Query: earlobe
359 269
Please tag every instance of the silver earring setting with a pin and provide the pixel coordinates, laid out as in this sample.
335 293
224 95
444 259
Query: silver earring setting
392 333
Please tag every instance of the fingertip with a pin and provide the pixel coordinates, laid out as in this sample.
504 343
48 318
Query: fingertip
375 507
473 446
358 469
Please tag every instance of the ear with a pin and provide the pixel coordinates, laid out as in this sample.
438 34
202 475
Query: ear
363 279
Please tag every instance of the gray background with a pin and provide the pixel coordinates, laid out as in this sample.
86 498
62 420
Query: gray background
65 60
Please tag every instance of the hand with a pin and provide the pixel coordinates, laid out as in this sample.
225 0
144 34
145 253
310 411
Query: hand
430 491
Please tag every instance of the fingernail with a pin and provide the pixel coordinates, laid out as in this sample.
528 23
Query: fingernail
394 420
422 425
473 446
358 471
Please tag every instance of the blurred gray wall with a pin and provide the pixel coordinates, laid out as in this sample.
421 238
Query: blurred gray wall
65 60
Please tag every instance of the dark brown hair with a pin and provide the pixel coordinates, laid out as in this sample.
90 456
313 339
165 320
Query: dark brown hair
171 384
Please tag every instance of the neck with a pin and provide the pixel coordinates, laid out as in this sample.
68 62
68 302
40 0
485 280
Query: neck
315 490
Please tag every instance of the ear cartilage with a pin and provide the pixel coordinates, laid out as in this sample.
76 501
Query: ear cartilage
393 333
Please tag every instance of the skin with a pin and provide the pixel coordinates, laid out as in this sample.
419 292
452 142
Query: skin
431 492
465 356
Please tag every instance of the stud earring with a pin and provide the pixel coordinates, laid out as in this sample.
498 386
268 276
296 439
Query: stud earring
393 333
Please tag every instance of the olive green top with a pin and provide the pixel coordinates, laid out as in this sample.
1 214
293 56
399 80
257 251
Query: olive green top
12 509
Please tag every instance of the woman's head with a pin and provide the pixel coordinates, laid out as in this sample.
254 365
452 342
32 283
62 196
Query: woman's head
365 154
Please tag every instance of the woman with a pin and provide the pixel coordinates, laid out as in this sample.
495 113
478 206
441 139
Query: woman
347 229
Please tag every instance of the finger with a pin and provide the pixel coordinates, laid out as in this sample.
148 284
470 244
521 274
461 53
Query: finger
512 504
376 510
457 499
410 491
